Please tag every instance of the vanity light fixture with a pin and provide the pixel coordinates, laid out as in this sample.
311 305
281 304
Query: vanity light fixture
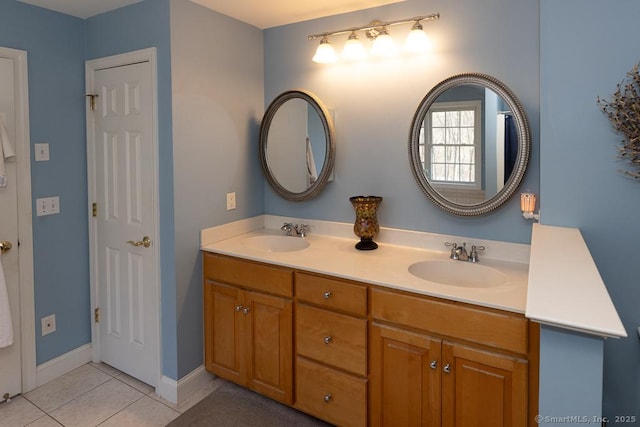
378 33
528 206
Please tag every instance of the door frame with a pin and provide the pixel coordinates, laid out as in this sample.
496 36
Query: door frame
25 216
91 66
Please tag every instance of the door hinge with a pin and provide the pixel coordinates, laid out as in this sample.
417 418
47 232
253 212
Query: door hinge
96 315
92 101
94 209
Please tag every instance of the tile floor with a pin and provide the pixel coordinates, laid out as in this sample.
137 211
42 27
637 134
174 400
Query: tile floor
95 394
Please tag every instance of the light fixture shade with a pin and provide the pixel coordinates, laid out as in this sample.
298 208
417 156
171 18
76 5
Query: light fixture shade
353 49
383 45
417 40
325 54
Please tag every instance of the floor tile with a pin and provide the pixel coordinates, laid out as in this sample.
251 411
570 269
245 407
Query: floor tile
145 412
97 405
192 399
18 412
107 369
45 421
135 383
67 387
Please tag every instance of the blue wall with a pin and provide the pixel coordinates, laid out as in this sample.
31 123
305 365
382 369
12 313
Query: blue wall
374 102
55 46
587 47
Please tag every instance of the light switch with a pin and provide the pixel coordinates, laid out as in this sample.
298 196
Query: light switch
48 206
41 152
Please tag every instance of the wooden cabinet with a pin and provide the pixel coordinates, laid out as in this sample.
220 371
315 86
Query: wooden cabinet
367 355
331 349
424 372
249 333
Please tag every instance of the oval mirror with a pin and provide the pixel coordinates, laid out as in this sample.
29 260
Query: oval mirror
297 145
469 144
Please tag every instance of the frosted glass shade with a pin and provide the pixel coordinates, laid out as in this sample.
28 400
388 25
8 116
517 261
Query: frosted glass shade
417 41
325 53
384 45
353 49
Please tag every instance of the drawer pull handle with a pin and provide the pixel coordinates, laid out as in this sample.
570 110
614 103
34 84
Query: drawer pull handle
328 339
447 368
245 310
326 295
433 364
238 307
328 397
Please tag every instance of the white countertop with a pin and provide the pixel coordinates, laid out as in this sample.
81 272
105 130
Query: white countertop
386 266
565 288
545 281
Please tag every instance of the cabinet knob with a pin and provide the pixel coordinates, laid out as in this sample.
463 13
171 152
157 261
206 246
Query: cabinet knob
245 310
328 397
326 295
328 339
447 368
238 307
433 364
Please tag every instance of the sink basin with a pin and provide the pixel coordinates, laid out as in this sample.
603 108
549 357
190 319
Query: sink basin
459 273
276 243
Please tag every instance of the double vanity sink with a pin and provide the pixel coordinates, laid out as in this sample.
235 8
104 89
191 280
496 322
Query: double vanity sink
439 271
490 282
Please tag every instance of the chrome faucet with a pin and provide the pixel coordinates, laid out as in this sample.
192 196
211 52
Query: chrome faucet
459 253
297 230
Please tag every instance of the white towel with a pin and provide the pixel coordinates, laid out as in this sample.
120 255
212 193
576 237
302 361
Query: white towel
6 325
6 151
312 173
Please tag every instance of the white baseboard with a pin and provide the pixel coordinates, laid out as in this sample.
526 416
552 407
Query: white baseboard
62 364
178 391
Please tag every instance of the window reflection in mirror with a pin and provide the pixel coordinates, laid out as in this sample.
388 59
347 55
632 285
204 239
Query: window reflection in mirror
469 144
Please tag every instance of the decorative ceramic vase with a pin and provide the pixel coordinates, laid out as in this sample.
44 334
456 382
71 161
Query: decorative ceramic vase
366 225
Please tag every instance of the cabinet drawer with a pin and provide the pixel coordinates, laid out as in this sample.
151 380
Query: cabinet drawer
248 274
488 327
331 395
332 293
335 339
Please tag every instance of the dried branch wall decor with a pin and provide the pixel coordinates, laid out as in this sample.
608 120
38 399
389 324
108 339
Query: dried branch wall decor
623 111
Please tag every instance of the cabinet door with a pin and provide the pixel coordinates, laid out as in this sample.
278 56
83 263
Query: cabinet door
404 379
224 328
483 388
270 340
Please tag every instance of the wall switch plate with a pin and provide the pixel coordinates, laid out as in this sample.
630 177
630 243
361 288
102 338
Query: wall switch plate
41 152
231 201
48 324
48 206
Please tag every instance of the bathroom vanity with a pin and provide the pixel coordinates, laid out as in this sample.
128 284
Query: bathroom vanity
356 339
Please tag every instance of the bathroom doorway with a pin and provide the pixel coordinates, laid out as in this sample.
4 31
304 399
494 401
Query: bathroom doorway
124 235
17 356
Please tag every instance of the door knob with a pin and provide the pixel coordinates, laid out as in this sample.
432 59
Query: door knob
5 247
146 242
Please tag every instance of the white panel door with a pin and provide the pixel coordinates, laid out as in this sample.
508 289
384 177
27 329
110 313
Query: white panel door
125 224
10 357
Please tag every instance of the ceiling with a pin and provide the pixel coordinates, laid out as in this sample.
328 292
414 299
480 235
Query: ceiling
259 13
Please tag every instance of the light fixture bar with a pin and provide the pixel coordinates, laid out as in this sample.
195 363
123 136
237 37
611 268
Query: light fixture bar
376 24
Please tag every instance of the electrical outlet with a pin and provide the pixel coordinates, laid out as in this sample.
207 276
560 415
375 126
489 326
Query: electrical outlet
48 324
231 201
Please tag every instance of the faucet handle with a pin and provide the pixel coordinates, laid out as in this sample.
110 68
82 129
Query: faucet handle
288 228
454 249
303 229
473 256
